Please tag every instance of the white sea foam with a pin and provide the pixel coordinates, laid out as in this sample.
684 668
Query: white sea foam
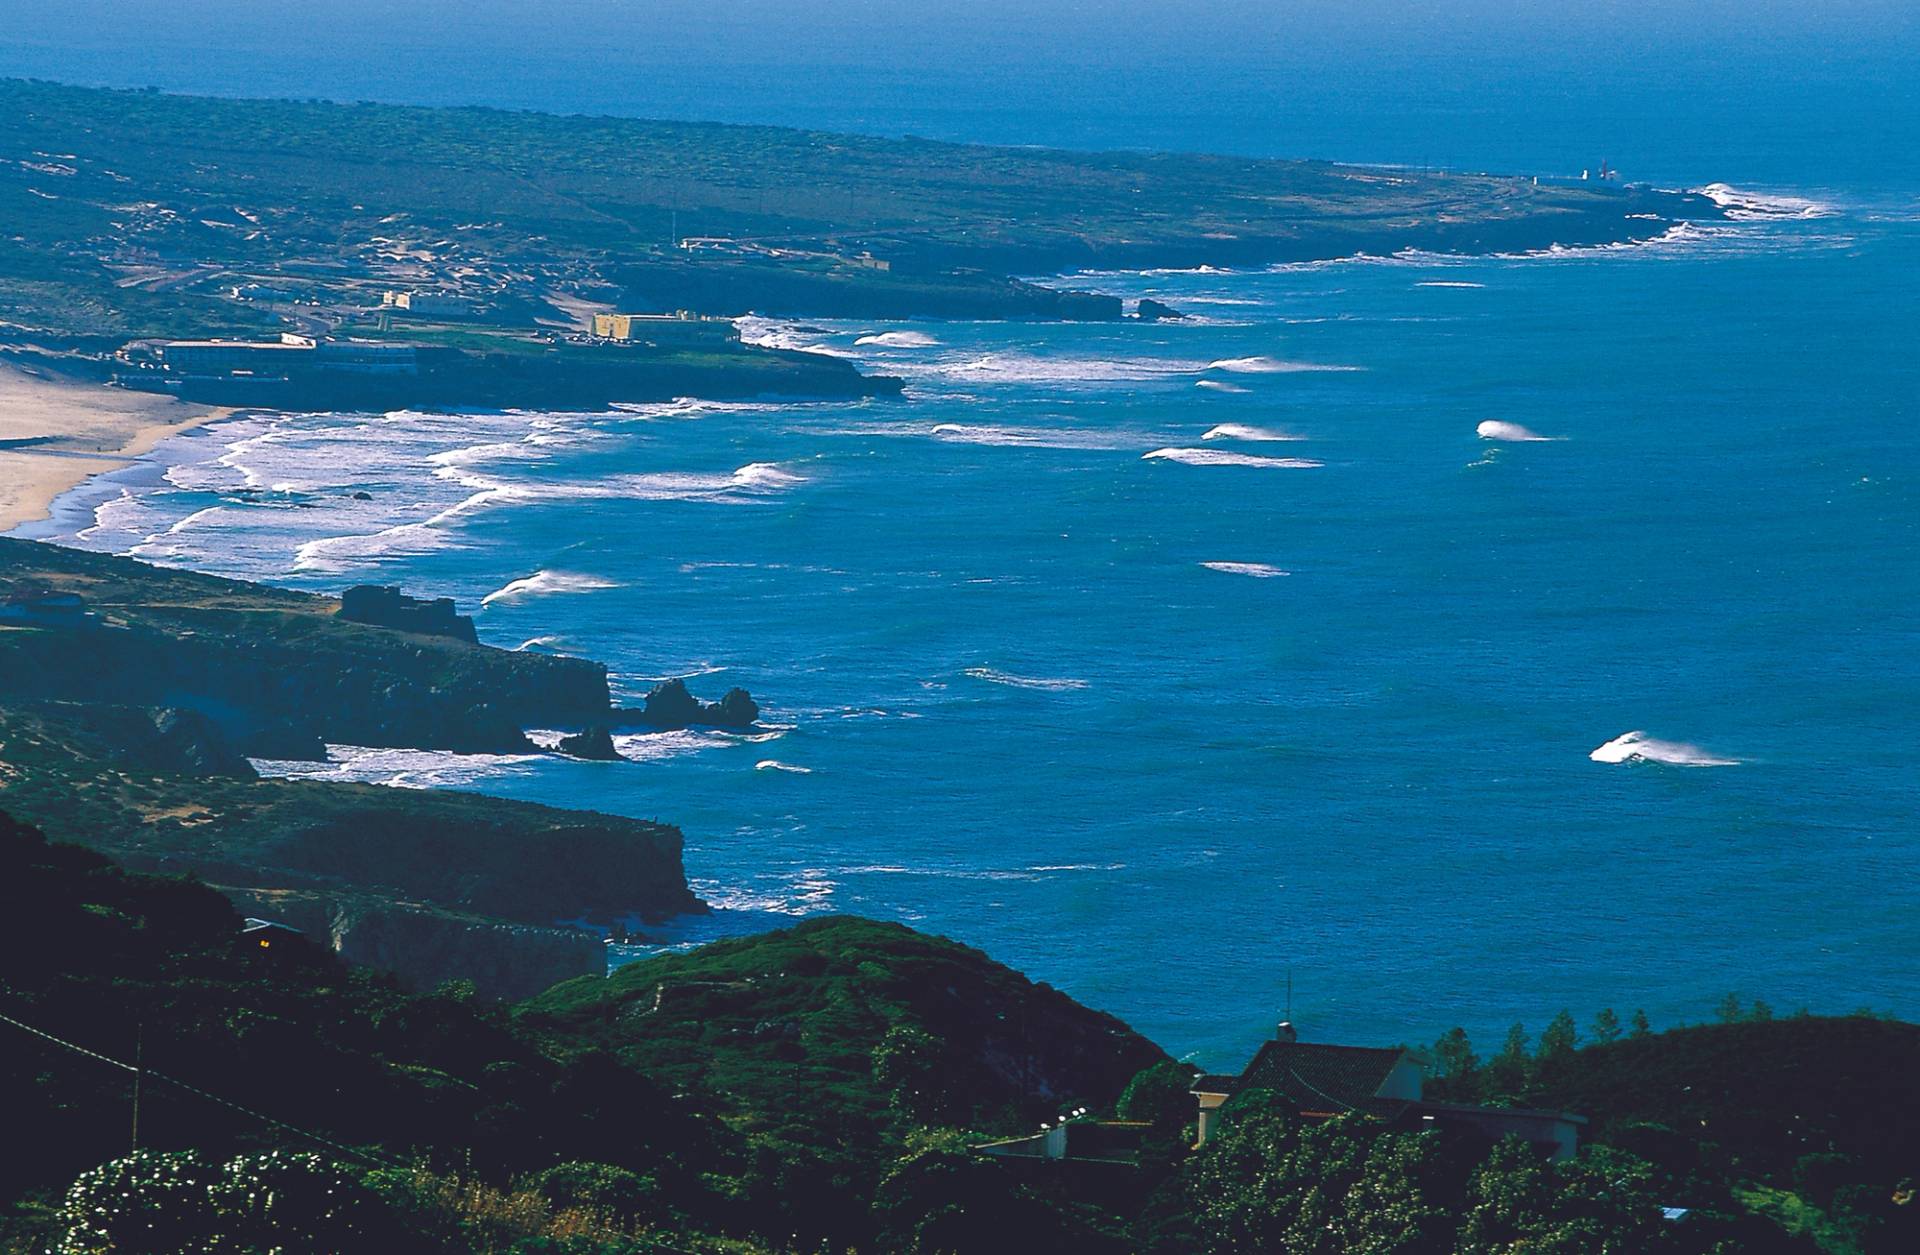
1263 365
653 746
1246 431
1029 437
1447 283
898 340
1750 206
774 764
1258 570
1639 747
1223 457
1008 366
398 768
1218 385
1512 433
538 645
542 583
993 676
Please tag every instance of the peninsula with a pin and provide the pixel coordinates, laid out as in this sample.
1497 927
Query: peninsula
486 242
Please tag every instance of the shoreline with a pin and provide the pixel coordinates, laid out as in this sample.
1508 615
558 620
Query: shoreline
57 434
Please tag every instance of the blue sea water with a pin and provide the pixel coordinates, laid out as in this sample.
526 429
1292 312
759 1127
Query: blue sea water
1167 662
1164 661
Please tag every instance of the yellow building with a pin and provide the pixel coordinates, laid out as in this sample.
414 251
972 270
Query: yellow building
682 328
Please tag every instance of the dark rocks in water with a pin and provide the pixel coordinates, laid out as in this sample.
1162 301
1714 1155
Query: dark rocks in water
670 706
363 496
191 743
735 710
595 743
389 607
1154 311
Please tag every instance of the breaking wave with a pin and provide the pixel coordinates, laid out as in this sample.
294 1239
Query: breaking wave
1745 206
542 583
1272 366
993 676
898 340
1218 385
1027 437
1246 431
1258 570
774 764
1638 747
1494 429
1222 457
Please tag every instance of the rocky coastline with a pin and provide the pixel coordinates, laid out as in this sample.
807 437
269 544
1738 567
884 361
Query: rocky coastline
133 700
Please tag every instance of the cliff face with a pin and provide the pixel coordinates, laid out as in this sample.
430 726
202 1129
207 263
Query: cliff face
426 948
279 672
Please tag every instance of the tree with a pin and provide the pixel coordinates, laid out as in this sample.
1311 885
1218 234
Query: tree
1559 1039
1453 1055
1599 1204
908 1067
1507 1072
1728 1010
1641 1030
1606 1026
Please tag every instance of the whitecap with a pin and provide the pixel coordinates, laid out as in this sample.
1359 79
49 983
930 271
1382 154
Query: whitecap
994 676
1263 365
1512 433
774 764
1246 431
1447 283
1639 747
1258 570
898 340
1222 457
544 582
1218 385
1750 206
396 768
1027 437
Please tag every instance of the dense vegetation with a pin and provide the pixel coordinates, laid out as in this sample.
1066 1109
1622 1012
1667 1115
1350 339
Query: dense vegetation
820 1088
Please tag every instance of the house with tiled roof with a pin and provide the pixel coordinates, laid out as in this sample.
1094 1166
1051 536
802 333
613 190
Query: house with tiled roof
1318 1081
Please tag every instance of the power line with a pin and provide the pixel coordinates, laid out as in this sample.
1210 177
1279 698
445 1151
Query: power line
139 1072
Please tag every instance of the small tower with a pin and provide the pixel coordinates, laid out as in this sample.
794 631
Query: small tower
1286 1032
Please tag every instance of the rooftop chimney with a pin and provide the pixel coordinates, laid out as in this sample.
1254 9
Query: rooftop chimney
1286 1032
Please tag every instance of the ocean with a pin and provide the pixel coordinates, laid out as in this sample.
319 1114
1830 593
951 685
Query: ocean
1455 639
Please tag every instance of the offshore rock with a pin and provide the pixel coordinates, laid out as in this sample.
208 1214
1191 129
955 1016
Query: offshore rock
670 707
1154 311
594 742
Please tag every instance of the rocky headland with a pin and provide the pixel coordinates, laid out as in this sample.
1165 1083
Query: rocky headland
133 701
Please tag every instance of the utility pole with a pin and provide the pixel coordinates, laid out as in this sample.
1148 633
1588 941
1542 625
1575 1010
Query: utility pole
139 1046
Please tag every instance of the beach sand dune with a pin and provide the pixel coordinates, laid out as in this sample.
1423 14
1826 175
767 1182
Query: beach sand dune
54 433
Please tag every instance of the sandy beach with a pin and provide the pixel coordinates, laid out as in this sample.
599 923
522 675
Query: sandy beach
54 433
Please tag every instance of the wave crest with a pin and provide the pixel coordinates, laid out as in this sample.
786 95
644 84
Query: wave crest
1246 431
541 583
1638 747
1222 457
1513 433
1258 570
1263 365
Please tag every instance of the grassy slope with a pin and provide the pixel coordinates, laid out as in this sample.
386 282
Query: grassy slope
761 1022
